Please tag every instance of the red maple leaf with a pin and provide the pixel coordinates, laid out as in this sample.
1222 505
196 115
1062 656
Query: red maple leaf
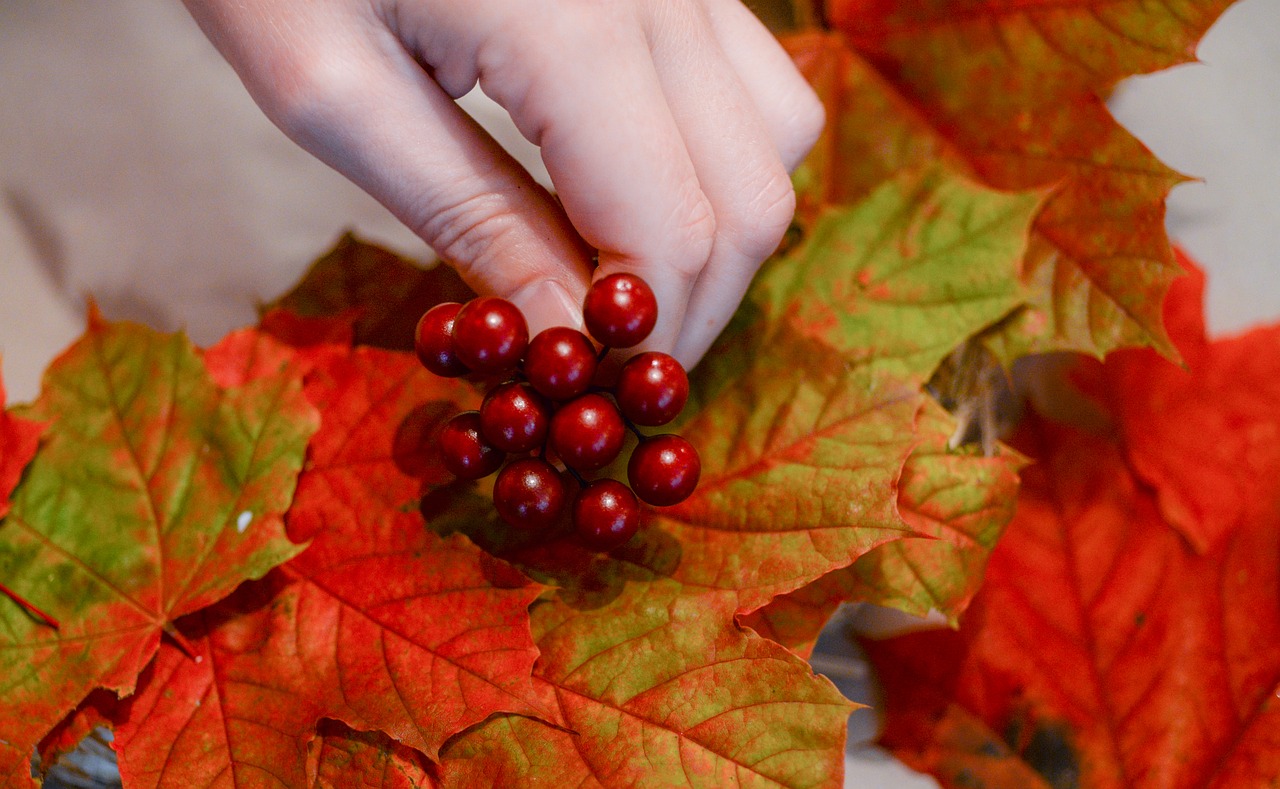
380 623
375 293
1219 410
1127 632
345 758
18 441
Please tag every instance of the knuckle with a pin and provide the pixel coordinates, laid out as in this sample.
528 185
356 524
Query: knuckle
695 235
468 232
762 220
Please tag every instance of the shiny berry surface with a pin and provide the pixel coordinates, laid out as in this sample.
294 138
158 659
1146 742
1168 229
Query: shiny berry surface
529 494
490 335
433 341
664 470
620 310
515 418
606 514
587 433
560 363
652 389
464 449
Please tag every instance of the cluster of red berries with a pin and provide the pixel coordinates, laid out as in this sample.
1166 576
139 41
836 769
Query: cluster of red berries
547 406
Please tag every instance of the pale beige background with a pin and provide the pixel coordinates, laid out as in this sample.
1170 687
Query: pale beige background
134 168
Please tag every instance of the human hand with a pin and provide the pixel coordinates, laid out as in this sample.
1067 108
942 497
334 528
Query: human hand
668 128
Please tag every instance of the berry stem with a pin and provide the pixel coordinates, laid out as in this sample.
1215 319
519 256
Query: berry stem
29 608
582 482
635 430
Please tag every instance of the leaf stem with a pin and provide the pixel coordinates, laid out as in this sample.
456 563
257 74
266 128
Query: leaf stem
186 646
29 608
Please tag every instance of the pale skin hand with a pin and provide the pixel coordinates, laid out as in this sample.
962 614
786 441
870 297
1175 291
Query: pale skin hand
668 128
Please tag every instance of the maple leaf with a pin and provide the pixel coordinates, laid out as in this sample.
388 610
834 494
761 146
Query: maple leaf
155 492
379 294
70 733
368 759
657 688
1011 94
380 623
18 441
1167 415
961 502
1106 648
958 504
804 410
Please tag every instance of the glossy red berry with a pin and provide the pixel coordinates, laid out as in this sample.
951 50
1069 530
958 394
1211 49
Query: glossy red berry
464 449
490 335
606 514
652 389
529 494
433 341
620 310
587 433
664 470
560 363
514 418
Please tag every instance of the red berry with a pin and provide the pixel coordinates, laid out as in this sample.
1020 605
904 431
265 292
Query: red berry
433 341
514 418
620 310
560 363
490 335
587 433
464 449
664 470
606 514
652 389
529 494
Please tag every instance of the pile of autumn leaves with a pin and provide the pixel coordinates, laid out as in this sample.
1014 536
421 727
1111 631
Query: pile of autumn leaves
262 575
165 483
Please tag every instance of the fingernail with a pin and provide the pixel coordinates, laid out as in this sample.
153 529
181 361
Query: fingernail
545 304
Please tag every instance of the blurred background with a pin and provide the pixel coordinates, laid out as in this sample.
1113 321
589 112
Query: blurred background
136 170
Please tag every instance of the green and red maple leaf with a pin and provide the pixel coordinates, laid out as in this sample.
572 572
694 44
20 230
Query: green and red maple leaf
1011 94
261 575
